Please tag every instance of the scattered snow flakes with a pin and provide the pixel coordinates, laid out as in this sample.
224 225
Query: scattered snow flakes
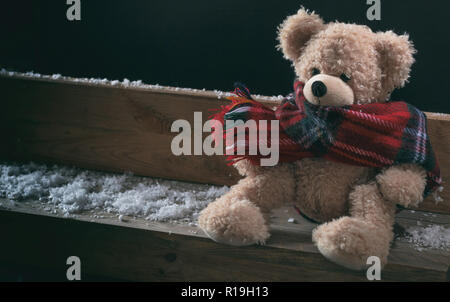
438 114
66 190
432 236
126 83
277 98
222 94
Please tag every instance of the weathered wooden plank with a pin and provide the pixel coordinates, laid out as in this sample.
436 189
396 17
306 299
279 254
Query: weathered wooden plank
103 128
139 254
128 129
149 251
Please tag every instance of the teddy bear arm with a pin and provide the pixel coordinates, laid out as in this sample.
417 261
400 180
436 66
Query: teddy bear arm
403 184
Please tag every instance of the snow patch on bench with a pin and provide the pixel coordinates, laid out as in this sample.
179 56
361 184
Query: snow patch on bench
431 236
69 191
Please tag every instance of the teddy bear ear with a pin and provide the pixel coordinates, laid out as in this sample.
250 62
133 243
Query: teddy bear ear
296 31
396 58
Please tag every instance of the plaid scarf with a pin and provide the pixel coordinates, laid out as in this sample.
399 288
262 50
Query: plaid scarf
373 135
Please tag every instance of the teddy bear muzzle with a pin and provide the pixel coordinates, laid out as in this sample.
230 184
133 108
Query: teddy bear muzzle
327 90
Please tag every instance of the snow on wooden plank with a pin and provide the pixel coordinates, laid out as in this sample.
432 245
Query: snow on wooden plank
121 127
69 190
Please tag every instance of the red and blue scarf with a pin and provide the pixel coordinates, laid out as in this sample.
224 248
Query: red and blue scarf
373 135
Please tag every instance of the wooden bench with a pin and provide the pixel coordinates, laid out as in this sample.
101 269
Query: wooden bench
119 129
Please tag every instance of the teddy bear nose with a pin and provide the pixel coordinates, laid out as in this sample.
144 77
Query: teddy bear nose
318 89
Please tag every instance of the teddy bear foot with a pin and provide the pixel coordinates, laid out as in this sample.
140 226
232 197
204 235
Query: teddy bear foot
350 241
237 223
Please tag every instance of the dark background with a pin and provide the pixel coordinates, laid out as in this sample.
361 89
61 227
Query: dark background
206 43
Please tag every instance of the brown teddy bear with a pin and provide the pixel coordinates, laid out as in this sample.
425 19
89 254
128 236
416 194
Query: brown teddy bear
340 65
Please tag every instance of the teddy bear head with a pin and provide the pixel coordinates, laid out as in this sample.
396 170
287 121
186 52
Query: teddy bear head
343 64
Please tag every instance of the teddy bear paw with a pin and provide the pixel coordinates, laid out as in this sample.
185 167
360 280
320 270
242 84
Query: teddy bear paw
403 184
237 223
349 242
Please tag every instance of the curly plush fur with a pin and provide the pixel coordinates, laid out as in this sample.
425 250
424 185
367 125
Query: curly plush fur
355 204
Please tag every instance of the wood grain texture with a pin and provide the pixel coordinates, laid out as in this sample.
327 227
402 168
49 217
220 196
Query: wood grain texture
128 129
105 128
139 250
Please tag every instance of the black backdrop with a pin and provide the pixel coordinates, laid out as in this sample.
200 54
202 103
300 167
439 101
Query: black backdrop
207 43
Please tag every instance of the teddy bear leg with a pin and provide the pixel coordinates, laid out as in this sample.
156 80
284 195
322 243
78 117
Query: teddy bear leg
238 217
349 241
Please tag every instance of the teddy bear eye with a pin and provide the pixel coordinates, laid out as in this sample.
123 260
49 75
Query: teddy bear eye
345 78
315 71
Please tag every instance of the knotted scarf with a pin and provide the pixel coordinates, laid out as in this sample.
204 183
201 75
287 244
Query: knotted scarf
373 135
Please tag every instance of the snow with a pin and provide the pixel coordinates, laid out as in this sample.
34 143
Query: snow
68 191
438 114
126 83
432 236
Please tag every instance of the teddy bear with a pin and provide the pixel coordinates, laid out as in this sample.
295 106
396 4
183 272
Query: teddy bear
340 64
